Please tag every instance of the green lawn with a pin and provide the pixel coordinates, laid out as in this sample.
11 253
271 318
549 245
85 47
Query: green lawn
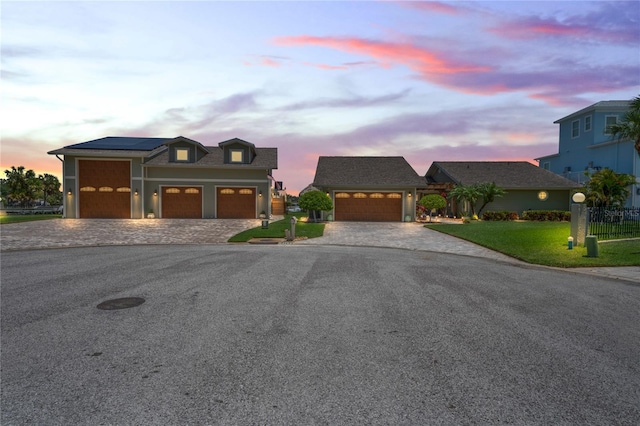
276 230
543 243
15 218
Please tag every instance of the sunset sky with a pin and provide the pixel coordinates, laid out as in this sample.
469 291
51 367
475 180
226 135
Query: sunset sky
429 81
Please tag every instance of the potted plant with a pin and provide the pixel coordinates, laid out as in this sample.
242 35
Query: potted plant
150 215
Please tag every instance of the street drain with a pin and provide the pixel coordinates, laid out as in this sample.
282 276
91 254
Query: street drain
122 303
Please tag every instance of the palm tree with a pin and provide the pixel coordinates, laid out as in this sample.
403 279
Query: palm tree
607 188
629 127
489 192
468 193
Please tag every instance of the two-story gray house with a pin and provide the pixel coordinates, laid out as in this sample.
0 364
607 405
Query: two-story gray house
585 146
128 177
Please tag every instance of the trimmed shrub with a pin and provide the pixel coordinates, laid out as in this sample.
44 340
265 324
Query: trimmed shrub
547 215
499 215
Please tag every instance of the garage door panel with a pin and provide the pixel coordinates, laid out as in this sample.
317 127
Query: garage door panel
104 189
182 203
358 206
236 203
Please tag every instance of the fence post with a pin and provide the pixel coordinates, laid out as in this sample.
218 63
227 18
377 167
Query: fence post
579 223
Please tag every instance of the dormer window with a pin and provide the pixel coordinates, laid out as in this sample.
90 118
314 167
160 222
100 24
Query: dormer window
237 155
182 154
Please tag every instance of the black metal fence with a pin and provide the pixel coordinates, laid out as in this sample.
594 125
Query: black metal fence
611 223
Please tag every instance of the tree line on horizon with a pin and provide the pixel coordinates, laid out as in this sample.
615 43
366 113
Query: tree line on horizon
24 188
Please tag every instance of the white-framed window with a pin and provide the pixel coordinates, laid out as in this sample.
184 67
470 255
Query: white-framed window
587 123
182 154
236 156
610 120
546 165
575 128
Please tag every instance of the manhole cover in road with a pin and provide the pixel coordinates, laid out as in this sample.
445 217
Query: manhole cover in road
122 303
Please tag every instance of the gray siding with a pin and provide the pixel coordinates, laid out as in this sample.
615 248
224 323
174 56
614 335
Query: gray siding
521 200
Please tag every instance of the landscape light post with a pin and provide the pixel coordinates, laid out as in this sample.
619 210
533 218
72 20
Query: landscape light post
579 225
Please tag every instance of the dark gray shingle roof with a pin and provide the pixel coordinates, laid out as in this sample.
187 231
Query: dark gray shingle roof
266 158
116 146
366 171
506 174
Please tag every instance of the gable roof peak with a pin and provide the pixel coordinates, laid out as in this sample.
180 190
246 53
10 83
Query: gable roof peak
235 140
184 139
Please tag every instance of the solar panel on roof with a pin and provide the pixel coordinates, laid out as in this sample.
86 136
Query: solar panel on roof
121 143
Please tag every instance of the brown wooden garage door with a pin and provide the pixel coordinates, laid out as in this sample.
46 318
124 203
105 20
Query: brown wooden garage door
236 203
181 202
104 189
368 206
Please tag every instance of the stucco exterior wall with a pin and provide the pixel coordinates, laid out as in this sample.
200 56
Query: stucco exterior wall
150 180
521 200
152 195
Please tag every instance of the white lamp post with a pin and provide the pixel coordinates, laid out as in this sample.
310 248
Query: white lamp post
579 223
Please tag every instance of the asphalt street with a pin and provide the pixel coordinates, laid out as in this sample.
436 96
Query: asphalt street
293 334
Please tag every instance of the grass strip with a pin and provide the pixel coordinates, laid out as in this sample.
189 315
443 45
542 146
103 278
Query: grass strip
276 230
542 243
27 218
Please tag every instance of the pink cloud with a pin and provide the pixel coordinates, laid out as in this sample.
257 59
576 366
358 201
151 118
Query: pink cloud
420 59
612 23
327 67
559 83
268 62
433 6
532 28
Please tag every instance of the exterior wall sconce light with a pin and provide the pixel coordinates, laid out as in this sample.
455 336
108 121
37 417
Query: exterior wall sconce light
260 194
543 195
409 196
136 192
155 193
69 192
328 195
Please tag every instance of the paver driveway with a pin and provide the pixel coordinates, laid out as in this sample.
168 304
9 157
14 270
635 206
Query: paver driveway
95 232
99 232
406 235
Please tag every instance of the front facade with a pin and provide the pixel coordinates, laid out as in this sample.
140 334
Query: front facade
527 187
585 146
381 189
132 178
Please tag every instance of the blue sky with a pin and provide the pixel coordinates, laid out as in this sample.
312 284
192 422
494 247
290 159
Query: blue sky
430 81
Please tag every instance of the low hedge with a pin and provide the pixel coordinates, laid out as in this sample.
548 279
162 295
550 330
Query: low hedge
500 215
547 215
